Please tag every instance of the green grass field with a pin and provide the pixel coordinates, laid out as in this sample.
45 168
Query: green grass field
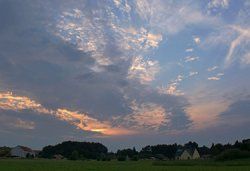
64 165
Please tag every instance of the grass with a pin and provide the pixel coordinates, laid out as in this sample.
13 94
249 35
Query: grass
65 165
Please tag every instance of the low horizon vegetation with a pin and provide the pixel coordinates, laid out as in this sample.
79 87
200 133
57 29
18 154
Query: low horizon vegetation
97 151
145 165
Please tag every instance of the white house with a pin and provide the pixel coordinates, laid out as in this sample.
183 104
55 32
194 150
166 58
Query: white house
22 152
187 154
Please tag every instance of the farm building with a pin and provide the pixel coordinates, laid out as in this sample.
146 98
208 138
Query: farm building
22 152
58 156
187 154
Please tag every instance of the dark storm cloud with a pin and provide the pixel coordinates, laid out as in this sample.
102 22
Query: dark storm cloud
36 63
47 129
39 65
239 110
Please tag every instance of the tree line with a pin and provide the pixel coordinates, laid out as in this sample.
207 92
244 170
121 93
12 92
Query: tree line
96 151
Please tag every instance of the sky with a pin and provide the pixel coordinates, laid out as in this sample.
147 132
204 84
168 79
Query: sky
124 72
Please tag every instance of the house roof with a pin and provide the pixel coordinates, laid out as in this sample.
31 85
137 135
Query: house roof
27 149
179 152
189 150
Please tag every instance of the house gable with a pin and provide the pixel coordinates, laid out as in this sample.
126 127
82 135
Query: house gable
186 154
196 154
21 151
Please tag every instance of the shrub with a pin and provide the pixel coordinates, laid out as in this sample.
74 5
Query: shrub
121 158
74 155
233 154
135 158
4 151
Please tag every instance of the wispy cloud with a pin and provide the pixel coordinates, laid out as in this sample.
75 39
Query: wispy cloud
246 59
144 70
8 101
191 58
213 78
206 114
171 89
236 37
89 35
83 121
244 36
147 116
206 105
76 28
193 73
22 124
170 17
197 40
218 4
189 50
212 68
87 123
216 78
16 122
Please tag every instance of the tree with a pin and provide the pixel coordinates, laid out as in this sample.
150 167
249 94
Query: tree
5 151
233 154
216 149
74 155
160 149
204 150
121 158
191 145
127 152
88 150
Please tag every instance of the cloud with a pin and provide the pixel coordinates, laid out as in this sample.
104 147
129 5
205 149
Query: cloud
237 112
197 40
220 74
76 28
205 115
148 116
171 89
143 70
206 105
213 78
212 68
19 123
87 123
244 35
8 101
189 50
16 123
246 59
169 17
236 37
218 4
191 58
80 69
88 34
192 73
216 78
153 39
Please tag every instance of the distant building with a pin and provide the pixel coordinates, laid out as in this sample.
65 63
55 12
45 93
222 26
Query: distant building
22 152
58 156
187 154
37 152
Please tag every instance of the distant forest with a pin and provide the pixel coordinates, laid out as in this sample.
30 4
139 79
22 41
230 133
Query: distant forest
97 151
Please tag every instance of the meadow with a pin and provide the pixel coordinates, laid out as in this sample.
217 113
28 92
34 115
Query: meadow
66 165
